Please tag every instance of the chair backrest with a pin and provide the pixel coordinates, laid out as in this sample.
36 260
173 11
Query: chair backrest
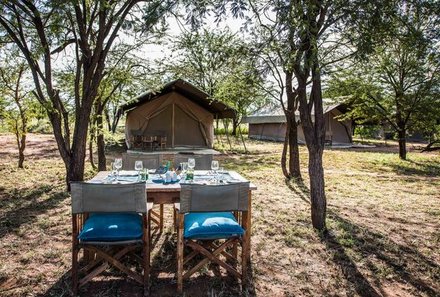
150 161
203 162
206 198
90 197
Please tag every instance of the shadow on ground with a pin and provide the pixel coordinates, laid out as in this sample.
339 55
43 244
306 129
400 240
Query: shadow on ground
353 246
163 282
24 208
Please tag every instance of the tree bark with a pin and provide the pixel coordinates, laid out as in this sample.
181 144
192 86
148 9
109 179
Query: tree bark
21 151
100 138
317 189
314 133
284 153
234 126
294 165
402 143
107 119
292 127
92 162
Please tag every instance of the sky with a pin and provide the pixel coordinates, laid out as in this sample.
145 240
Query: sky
176 27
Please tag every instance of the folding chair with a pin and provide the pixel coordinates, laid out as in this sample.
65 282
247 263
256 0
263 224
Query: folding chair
208 222
151 161
109 222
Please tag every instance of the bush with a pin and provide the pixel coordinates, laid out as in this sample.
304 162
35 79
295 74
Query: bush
367 131
222 130
41 126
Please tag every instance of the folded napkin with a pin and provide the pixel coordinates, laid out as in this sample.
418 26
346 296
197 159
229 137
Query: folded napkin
128 178
128 173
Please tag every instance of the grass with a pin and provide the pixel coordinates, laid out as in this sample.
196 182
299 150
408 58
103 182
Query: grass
383 220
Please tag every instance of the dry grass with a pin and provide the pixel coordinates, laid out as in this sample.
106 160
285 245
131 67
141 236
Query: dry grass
383 217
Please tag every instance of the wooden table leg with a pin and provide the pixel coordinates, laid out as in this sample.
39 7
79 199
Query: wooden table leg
246 245
161 219
249 227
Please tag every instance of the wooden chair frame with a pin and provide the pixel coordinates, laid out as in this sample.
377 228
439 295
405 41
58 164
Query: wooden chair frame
212 251
97 260
157 218
99 255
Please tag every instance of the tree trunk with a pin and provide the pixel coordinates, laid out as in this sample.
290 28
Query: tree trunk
116 117
76 161
92 162
107 119
314 133
292 127
242 140
100 141
284 154
402 143
21 148
317 189
294 165
234 126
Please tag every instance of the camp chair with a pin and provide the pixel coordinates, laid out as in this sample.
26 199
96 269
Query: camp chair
207 224
109 222
151 161
136 138
203 162
147 142
163 141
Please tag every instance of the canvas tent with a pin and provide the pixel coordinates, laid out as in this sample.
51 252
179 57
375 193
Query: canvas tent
179 111
271 125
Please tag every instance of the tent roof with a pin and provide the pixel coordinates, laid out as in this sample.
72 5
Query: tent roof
217 108
277 115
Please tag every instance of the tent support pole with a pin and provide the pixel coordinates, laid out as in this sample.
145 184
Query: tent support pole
172 128
217 136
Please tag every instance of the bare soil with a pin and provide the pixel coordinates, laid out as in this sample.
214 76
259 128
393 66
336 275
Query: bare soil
383 220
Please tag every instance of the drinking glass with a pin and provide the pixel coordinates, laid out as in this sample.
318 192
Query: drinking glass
214 168
191 163
113 172
118 165
138 166
221 171
183 169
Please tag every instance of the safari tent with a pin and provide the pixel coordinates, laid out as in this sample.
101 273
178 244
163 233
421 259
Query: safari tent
180 113
271 125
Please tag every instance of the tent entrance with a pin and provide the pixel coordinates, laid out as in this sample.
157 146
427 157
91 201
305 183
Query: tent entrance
183 122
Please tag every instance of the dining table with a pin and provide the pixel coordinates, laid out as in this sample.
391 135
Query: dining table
161 192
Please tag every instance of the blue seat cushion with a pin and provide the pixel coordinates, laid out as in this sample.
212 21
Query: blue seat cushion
112 227
211 225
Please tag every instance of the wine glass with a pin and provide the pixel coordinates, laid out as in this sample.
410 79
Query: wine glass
138 166
183 169
113 172
118 165
191 163
214 168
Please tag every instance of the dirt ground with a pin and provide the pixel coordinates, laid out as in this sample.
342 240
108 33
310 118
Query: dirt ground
383 220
